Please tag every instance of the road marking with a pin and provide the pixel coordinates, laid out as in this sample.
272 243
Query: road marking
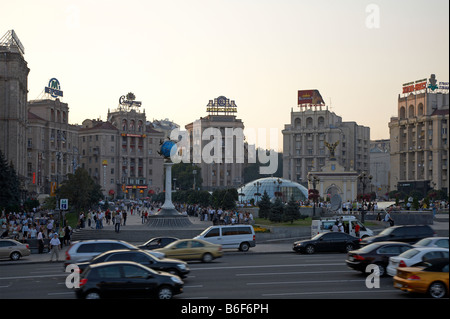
266 266
328 292
31 277
291 273
303 282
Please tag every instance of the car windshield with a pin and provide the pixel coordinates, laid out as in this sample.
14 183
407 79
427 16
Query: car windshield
424 242
318 236
205 231
369 248
409 253
387 231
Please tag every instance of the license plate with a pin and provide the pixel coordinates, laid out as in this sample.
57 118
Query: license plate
351 258
398 285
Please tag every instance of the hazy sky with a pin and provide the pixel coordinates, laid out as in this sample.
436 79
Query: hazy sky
176 55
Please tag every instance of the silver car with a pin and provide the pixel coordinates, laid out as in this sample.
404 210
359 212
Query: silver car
12 249
85 250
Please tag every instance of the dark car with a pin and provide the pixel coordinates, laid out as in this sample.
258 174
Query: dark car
329 241
173 266
125 279
157 242
407 234
376 253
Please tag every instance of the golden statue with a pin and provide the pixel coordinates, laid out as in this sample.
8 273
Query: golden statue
332 148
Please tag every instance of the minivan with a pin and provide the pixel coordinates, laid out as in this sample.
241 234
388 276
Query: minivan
408 234
326 224
241 237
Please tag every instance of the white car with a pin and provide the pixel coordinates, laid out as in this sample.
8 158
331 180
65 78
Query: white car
414 256
441 242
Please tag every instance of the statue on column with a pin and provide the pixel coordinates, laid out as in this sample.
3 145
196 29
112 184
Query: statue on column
332 148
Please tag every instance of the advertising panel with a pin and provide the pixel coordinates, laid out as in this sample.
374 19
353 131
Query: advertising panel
309 97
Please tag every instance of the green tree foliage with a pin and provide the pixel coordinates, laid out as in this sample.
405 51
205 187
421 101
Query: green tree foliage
225 198
264 206
292 211
81 190
9 185
184 176
277 211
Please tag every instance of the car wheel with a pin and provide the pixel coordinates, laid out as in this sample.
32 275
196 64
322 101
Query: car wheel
206 258
92 295
310 249
381 270
437 289
348 248
15 256
165 293
244 247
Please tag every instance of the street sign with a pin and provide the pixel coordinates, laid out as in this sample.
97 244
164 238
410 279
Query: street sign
64 204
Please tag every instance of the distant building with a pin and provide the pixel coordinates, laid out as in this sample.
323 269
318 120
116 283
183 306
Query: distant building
419 137
220 173
52 145
306 137
380 166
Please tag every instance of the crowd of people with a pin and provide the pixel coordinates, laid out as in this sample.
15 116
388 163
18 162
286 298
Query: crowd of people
34 225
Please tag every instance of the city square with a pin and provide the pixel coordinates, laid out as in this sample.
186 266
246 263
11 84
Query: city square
257 130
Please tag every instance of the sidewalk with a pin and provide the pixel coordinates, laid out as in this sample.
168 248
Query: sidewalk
441 226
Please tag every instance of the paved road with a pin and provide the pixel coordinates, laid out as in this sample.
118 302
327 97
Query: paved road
235 276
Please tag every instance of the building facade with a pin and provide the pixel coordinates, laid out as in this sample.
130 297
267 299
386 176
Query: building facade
224 166
52 145
419 139
307 140
380 166
13 102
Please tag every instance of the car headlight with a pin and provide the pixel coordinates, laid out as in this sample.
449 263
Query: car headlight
176 280
181 266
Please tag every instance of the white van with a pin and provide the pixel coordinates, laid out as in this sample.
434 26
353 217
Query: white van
241 237
349 222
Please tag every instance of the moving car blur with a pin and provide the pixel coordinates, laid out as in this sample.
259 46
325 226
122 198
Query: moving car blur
192 249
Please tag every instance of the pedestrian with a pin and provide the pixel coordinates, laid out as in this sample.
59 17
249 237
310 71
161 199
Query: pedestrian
40 238
54 244
357 229
335 227
117 221
124 217
67 231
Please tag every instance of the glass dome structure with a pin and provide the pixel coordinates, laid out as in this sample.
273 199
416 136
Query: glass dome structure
274 187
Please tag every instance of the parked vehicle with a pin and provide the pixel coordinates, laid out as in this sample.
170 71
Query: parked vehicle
433 242
408 234
349 222
430 278
329 241
414 256
157 242
12 249
85 250
240 237
143 257
125 279
376 253
192 249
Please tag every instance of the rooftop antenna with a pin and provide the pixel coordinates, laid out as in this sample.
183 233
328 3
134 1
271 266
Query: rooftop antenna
10 39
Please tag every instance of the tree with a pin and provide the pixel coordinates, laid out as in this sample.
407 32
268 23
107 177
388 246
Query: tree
183 173
277 211
81 190
9 185
264 206
292 211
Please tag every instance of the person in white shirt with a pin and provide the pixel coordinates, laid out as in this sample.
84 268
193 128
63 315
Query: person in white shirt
54 243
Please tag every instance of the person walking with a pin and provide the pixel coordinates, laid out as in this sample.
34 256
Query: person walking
117 221
54 244
40 238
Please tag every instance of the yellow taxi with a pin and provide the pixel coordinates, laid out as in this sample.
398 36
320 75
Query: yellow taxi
192 249
429 277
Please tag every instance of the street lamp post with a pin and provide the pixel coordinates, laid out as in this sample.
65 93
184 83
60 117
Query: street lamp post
313 179
257 194
364 179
